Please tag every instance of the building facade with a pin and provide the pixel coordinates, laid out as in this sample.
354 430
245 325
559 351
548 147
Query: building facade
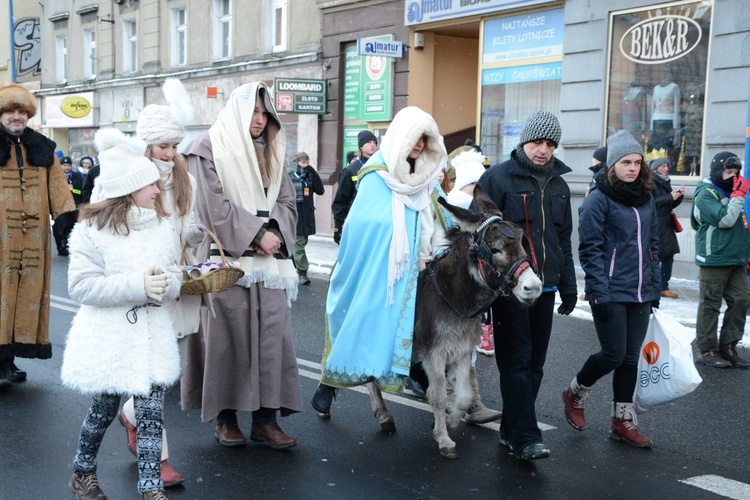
103 62
675 74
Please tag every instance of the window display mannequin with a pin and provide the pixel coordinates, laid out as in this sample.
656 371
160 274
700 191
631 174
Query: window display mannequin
694 96
635 110
665 114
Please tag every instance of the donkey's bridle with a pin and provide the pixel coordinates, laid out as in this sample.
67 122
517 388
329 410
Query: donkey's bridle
483 252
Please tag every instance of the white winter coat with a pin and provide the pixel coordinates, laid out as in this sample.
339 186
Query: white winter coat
186 309
112 347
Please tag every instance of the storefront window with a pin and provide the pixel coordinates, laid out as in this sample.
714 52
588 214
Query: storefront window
657 80
521 74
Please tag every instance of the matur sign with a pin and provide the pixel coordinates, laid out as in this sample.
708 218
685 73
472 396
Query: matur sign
301 96
379 47
660 39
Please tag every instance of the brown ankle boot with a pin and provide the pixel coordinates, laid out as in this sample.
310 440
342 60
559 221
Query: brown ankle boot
623 427
153 495
86 487
729 352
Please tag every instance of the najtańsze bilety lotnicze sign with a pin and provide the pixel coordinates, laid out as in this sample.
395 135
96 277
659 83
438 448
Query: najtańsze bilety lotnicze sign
300 96
660 39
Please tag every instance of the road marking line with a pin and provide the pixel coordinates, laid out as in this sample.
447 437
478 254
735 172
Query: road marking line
720 485
64 308
64 300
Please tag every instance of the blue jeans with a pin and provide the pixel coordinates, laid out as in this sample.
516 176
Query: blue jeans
621 339
521 339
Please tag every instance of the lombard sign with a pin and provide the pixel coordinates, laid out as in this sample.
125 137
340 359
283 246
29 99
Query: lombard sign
660 39
301 96
376 47
430 11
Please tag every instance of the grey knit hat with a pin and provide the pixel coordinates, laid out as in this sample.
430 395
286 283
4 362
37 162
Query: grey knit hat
658 163
619 144
541 125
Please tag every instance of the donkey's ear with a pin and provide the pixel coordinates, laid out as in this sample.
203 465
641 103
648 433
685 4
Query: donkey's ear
482 202
461 214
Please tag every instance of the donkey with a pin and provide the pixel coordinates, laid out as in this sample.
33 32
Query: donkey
485 259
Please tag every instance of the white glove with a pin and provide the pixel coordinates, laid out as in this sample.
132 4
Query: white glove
195 234
156 283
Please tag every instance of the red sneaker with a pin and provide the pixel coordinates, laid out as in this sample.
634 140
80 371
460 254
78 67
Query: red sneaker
486 341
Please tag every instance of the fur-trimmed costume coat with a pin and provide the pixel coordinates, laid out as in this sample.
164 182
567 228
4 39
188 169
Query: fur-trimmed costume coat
28 196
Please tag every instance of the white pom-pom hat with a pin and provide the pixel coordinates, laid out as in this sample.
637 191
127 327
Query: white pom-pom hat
124 168
159 124
469 167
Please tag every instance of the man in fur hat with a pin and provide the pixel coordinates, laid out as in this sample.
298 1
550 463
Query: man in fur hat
243 357
35 187
530 192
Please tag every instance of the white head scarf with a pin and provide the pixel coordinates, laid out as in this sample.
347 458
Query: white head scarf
409 189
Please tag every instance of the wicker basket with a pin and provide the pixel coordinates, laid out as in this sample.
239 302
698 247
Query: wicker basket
217 280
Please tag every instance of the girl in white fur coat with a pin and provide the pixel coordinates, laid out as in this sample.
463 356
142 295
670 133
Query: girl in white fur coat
123 269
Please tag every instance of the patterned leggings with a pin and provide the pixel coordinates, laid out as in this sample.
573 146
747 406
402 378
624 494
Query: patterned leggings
148 416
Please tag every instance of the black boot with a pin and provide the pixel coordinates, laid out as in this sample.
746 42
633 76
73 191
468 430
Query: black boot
5 381
16 375
303 279
321 401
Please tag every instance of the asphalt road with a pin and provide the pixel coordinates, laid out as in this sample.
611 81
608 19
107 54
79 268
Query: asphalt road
701 443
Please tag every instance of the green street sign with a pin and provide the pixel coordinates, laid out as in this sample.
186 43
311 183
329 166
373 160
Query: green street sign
368 91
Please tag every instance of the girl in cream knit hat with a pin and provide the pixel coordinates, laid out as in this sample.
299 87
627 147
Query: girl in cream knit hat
162 129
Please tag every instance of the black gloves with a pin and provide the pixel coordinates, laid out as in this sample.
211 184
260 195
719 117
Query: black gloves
569 301
655 303
602 312
337 235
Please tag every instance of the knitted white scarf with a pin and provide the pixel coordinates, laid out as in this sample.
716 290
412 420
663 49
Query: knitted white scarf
409 189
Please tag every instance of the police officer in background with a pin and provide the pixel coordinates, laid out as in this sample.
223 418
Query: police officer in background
65 222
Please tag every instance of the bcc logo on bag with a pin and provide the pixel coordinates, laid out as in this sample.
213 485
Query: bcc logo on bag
651 353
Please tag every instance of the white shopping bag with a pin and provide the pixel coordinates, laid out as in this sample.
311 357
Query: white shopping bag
666 369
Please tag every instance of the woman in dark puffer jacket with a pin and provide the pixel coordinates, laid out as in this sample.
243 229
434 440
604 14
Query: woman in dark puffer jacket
618 250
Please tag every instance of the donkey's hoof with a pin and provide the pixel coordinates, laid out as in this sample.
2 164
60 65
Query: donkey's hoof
387 424
449 452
